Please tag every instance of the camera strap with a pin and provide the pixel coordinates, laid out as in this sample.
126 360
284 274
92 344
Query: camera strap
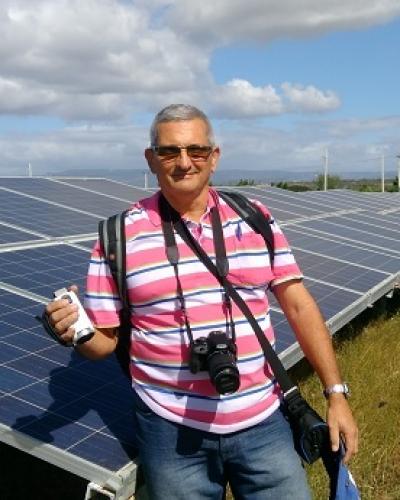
169 218
288 387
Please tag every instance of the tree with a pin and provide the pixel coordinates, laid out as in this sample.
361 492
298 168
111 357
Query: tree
245 182
366 188
298 188
333 182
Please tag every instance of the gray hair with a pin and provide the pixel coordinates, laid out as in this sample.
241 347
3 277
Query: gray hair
179 112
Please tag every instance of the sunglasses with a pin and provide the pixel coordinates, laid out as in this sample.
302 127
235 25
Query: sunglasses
195 152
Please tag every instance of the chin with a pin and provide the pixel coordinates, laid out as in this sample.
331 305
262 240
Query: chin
185 186
189 182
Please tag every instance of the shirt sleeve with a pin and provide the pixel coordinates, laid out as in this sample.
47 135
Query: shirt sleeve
284 267
101 302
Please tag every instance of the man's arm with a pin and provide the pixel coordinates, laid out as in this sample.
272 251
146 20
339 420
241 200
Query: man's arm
62 314
308 324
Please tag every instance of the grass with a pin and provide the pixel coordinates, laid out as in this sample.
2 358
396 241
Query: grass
368 351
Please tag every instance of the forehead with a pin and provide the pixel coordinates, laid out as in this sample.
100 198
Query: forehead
182 132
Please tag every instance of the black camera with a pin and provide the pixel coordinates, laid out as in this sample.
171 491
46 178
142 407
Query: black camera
216 354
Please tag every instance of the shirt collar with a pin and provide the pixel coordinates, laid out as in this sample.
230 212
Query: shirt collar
150 204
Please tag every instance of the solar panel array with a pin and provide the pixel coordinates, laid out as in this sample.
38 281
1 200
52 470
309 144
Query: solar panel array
347 244
76 413
53 403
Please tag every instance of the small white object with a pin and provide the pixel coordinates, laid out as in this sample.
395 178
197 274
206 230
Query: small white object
83 326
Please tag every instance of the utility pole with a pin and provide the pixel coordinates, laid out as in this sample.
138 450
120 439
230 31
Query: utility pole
383 173
325 170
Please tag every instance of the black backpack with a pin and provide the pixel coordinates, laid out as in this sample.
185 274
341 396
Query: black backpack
113 244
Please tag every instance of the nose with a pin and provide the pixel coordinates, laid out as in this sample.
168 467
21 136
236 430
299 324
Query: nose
183 160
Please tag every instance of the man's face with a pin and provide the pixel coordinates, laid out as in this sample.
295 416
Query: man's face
185 172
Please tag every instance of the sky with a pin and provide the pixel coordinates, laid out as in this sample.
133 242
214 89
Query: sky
283 82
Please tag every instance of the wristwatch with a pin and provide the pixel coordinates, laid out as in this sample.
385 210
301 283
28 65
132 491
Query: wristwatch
337 389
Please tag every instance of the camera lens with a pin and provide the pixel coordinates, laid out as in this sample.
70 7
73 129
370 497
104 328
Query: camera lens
223 372
227 381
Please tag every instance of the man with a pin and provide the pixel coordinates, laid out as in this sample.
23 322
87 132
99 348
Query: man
192 439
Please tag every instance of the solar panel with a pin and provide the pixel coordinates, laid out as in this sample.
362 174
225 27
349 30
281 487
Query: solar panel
335 272
45 269
332 300
349 255
88 244
291 199
76 413
353 233
347 198
51 395
67 196
382 222
10 234
284 334
284 209
43 218
330 246
105 186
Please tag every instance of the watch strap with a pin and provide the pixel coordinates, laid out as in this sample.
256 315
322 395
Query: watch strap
337 389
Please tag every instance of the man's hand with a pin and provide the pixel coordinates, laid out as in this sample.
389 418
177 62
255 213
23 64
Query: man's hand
342 425
62 314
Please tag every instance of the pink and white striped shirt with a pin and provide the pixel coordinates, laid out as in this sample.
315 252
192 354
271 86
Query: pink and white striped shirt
159 343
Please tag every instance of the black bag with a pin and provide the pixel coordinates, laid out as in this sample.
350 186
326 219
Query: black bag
310 431
113 244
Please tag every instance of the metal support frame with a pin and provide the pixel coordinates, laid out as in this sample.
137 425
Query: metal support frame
93 488
119 483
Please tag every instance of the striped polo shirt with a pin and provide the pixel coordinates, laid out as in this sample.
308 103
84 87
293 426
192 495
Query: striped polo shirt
159 342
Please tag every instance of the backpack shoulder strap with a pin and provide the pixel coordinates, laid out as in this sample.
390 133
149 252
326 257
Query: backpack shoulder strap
252 215
113 243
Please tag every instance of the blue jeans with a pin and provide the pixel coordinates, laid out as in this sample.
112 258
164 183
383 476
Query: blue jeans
180 462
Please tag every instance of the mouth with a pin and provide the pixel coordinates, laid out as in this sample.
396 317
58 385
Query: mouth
182 175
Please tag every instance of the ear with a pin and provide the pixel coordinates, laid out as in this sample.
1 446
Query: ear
150 158
215 159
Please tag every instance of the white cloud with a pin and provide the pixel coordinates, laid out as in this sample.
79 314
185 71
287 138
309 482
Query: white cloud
106 59
15 98
309 98
58 53
19 99
240 99
86 147
264 20
121 147
301 148
358 126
